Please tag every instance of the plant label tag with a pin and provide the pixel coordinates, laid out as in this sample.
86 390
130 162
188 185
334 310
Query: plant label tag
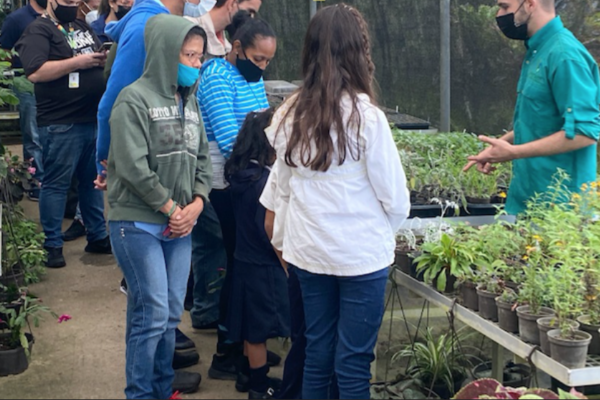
74 80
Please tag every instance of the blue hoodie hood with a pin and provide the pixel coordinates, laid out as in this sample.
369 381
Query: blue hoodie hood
115 29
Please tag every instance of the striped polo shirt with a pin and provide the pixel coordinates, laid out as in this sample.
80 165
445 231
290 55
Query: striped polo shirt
225 99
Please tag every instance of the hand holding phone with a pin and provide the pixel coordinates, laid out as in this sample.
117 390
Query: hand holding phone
105 47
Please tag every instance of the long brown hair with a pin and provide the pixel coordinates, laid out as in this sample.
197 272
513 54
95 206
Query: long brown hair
336 60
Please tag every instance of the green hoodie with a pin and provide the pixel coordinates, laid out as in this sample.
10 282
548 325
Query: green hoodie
155 154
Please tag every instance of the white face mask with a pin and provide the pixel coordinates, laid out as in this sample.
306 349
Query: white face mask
198 10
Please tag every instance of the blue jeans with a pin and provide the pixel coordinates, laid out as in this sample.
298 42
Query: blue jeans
343 316
69 150
208 256
156 270
33 136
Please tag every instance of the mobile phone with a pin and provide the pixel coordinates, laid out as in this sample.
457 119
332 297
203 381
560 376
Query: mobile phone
105 47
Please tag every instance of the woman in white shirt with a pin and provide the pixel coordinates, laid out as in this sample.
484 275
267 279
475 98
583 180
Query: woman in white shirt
340 196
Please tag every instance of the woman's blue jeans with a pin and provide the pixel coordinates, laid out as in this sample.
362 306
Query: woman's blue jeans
343 316
156 270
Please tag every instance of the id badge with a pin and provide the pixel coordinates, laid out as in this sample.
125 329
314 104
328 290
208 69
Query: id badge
74 80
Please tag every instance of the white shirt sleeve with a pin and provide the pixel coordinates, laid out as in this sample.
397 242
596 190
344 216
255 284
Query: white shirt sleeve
271 199
384 169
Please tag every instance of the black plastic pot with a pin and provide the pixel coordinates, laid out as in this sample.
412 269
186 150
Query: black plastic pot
15 277
572 353
429 211
487 305
545 325
477 200
513 375
442 391
402 261
593 330
450 282
14 362
468 292
507 317
528 328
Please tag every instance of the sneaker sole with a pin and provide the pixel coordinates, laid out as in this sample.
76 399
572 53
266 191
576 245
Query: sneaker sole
92 251
123 290
220 375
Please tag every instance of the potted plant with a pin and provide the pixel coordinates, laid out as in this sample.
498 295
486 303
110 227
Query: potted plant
15 343
24 256
490 288
437 363
590 322
507 316
532 294
442 261
406 242
568 345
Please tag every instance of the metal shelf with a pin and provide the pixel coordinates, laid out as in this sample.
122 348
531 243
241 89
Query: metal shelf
588 376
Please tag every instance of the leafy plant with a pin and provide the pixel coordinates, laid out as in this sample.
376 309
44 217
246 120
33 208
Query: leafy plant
7 96
23 245
18 320
591 281
446 257
438 359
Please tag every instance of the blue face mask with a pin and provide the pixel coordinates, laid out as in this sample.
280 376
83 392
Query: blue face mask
197 10
187 76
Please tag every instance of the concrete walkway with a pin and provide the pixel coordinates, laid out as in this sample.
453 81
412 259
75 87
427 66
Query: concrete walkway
85 357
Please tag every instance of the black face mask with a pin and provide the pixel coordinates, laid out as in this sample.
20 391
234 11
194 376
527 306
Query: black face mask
506 23
42 3
122 11
250 71
65 14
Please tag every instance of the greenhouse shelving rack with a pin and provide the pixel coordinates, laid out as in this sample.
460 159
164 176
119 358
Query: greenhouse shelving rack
588 376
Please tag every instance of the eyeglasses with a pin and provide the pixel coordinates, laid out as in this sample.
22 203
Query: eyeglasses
193 56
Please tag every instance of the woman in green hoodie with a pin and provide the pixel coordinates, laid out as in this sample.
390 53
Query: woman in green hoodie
160 177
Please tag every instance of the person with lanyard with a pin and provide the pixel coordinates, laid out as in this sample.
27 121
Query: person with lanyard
60 56
33 136
556 120
230 88
109 11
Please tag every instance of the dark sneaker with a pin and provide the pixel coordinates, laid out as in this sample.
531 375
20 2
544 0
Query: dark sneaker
269 394
273 359
123 287
186 382
55 257
75 231
33 194
182 342
213 325
99 246
242 384
185 360
222 368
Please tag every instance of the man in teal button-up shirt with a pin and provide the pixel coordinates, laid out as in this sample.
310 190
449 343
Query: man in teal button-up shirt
557 117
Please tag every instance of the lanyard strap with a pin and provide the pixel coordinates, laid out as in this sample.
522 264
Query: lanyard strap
69 36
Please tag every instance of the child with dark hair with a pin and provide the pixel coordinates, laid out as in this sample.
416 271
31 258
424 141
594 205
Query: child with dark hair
259 305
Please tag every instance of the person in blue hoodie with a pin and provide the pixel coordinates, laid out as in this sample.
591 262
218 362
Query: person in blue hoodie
129 58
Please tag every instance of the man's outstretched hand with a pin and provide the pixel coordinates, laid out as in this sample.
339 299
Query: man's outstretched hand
499 151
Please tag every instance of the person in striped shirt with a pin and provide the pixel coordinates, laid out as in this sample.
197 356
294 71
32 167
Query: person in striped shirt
230 88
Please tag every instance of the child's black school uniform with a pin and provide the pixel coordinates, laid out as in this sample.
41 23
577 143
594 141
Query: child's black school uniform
259 308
